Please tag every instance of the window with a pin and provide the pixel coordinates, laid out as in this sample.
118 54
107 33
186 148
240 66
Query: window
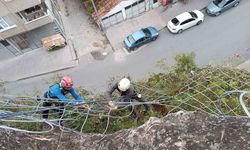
175 21
187 21
141 1
193 14
146 32
140 40
5 43
217 2
230 1
145 39
155 1
184 22
5 23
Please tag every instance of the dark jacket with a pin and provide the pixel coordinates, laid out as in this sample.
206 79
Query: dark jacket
128 94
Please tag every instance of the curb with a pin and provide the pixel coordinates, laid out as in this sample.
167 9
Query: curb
37 75
72 48
106 37
202 8
41 74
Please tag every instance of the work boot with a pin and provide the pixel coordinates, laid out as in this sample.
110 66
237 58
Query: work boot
134 116
60 123
38 98
147 107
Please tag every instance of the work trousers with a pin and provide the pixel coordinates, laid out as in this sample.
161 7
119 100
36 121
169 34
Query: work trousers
47 103
130 108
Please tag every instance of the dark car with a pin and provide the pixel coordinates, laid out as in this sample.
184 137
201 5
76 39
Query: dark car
140 37
216 7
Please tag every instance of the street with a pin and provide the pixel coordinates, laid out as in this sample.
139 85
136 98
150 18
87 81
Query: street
215 40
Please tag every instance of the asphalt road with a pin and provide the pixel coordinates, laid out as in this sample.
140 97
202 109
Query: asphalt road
215 40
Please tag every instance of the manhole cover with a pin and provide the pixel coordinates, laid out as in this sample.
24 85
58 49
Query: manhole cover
96 44
98 55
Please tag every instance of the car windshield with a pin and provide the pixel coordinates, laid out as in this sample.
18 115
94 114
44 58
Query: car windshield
175 21
193 14
147 32
217 2
131 39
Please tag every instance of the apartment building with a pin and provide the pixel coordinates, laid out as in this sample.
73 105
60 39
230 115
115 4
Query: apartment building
23 23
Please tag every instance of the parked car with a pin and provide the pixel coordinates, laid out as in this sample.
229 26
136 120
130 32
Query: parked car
185 21
216 7
140 37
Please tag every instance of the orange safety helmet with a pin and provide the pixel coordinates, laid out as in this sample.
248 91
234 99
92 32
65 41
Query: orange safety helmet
66 82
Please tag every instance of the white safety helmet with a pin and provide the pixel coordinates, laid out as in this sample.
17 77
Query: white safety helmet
124 84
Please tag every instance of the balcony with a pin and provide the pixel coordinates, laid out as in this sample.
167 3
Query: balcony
36 16
33 13
18 5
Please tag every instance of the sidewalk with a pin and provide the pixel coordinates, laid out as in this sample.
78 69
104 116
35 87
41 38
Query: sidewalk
157 18
35 63
86 37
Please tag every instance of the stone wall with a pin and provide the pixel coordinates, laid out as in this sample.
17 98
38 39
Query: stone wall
178 131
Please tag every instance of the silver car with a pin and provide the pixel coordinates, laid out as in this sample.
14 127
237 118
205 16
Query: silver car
216 7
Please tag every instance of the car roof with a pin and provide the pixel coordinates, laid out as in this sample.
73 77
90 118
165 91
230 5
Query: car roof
138 34
152 30
184 16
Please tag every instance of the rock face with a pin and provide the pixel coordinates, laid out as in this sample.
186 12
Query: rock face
178 131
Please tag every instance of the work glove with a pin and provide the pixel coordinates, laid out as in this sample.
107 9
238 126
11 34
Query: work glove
112 105
84 106
38 98
81 105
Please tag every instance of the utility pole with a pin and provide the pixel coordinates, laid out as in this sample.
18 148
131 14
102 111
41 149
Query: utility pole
97 15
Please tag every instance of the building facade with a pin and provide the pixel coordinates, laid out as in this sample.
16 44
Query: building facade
23 23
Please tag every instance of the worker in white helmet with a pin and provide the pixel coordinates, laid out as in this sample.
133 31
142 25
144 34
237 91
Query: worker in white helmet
128 93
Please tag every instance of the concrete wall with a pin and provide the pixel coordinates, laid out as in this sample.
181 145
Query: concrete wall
123 4
120 7
119 13
3 10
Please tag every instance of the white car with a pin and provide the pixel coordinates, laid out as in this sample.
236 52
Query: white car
185 21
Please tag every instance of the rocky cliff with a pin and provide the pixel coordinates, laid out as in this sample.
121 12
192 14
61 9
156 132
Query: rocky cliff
178 131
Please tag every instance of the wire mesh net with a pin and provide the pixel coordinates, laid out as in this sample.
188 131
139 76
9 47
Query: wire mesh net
215 90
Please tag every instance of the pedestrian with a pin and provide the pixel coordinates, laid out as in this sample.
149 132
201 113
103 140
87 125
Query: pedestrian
128 94
57 95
